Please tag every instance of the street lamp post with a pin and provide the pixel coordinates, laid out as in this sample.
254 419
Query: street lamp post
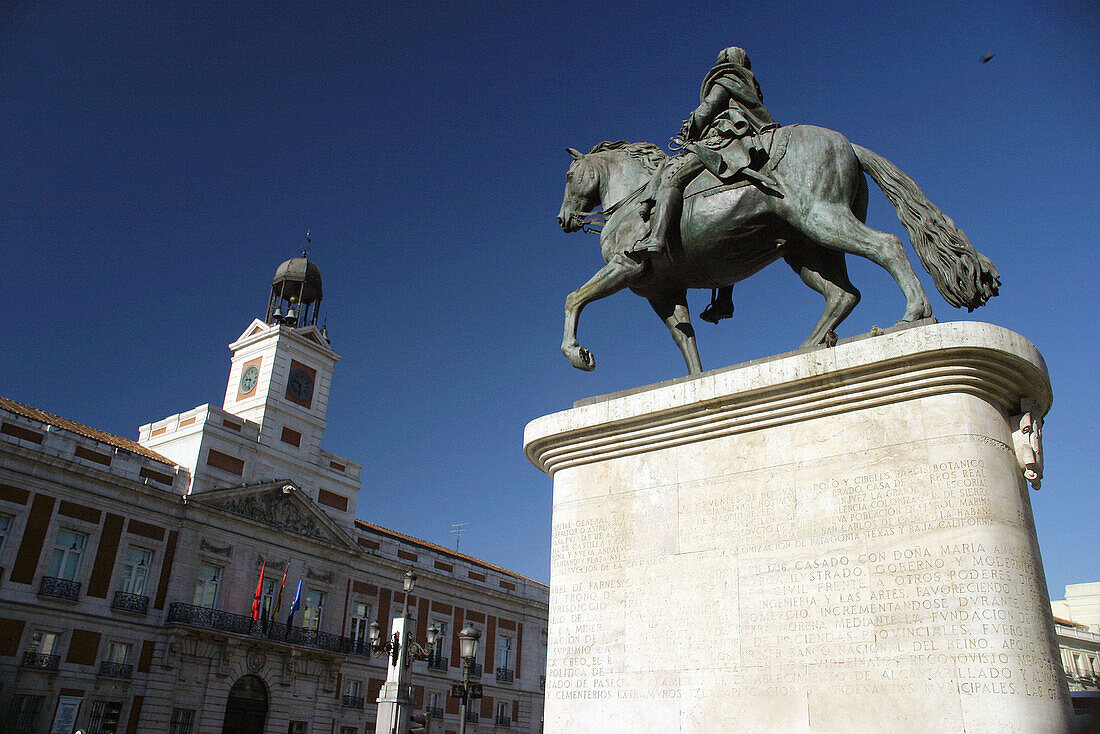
466 691
394 701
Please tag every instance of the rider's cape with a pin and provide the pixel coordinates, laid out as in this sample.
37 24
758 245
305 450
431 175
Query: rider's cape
745 115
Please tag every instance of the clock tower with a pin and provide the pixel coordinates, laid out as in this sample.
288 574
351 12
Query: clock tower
282 365
270 424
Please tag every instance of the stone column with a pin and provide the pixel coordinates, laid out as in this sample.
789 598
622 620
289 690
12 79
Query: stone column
394 700
831 541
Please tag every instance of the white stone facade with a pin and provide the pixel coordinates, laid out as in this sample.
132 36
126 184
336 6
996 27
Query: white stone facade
1077 623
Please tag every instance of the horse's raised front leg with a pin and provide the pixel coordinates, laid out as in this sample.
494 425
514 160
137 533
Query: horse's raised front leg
673 309
826 272
610 279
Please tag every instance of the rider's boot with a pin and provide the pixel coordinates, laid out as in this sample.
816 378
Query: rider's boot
669 202
720 307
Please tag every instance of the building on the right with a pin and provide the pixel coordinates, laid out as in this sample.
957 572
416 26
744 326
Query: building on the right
1077 624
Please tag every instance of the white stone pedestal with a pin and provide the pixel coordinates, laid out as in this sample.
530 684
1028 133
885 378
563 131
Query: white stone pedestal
838 540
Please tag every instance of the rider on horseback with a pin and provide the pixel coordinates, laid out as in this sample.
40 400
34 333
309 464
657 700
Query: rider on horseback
722 136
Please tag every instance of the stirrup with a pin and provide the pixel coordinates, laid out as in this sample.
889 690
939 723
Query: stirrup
715 312
640 253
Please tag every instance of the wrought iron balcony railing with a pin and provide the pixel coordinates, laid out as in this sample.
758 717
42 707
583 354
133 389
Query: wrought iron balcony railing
133 603
359 646
475 671
504 675
438 662
436 712
352 702
502 721
471 717
40 662
56 588
216 619
107 669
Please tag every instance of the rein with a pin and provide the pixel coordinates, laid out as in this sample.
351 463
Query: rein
600 217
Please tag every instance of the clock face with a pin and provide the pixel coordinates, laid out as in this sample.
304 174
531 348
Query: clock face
249 379
300 385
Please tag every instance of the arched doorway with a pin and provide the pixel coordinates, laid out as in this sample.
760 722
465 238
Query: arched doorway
246 707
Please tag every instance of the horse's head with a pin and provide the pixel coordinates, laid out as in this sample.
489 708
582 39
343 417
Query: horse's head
582 191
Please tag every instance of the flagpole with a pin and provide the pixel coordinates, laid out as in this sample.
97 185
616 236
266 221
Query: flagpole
278 600
259 593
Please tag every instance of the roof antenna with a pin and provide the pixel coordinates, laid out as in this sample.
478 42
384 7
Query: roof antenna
305 250
457 529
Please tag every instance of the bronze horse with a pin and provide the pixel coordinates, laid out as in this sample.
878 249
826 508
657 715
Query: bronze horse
730 231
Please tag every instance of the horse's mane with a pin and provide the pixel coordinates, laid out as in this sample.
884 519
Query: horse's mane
648 154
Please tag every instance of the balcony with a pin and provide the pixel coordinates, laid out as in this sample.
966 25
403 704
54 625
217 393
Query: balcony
352 702
502 721
436 712
504 675
438 662
56 588
240 624
471 717
124 671
132 603
475 670
37 661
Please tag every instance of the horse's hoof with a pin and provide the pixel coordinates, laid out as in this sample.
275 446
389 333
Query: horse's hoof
917 314
582 359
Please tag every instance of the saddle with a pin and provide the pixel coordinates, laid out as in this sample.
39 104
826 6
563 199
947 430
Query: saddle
774 141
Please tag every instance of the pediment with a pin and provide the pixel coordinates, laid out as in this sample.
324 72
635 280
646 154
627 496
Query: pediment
282 505
258 326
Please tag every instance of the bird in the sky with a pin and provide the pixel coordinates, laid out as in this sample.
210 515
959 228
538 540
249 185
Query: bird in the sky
986 58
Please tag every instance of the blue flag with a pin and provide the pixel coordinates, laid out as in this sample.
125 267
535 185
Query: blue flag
294 604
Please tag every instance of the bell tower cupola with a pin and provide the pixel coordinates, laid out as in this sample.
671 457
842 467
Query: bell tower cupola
296 293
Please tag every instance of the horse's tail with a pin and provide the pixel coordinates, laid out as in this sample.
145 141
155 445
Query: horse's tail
963 276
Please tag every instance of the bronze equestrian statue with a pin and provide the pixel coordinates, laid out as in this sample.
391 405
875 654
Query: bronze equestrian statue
743 193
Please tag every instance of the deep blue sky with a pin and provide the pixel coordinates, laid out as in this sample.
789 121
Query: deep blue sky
161 159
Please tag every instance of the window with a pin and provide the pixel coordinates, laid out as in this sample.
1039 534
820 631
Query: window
118 652
268 591
315 605
360 623
503 714
135 569
348 730
504 652
353 694
206 588
182 721
24 713
433 704
43 643
5 529
296 727
68 549
104 717
438 648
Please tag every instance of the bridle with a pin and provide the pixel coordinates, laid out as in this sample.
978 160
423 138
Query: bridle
599 217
